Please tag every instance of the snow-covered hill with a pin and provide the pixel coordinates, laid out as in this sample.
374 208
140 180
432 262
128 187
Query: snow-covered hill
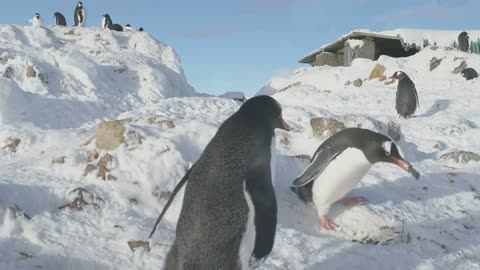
62 77
114 196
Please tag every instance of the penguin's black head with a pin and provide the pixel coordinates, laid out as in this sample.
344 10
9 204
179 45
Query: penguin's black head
264 110
128 25
383 149
79 4
37 15
464 35
140 29
463 73
399 75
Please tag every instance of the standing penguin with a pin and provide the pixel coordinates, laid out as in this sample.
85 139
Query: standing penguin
229 213
80 15
406 100
59 19
463 41
469 74
128 27
37 20
339 164
140 29
108 24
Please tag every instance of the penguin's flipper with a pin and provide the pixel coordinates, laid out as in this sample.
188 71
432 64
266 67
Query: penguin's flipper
319 162
170 200
416 96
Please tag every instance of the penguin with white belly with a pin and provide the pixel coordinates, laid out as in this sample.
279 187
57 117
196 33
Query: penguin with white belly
229 213
340 163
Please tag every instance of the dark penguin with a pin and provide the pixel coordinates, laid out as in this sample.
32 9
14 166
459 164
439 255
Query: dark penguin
59 19
463 41
80 15
340 163
469 74
406 100
108 24
229 212
37 20
140 29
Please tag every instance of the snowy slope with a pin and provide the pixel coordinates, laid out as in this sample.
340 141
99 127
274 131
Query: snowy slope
70 76
432 223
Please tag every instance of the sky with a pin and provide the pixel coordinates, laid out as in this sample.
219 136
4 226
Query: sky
227 45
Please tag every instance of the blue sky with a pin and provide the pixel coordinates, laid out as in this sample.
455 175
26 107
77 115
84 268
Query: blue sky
227 45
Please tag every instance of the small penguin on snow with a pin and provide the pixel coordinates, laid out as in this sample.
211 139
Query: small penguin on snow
59 19
37 20
128 27
406 100
339 164
108 24
140 29
469 74
463 41
80 15
229 213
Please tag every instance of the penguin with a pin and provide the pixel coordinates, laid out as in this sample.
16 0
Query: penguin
469 74
140 29
37 20
128 27
339 164
80 15
108 24
229 213
406 100
59 19
463 41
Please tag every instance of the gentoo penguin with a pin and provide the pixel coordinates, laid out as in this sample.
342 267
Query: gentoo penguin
108 24
406 100
37 20
59 19
340 163
128 27
140 29
463 41
80 15
469 74
229 212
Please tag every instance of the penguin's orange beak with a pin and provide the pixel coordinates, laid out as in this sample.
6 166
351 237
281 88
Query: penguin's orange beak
284 125
406 166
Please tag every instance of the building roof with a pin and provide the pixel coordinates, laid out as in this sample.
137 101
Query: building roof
408 38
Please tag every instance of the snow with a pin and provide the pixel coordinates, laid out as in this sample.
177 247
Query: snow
355 43
432 223
233 95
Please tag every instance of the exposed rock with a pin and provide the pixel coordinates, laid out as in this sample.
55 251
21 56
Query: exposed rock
358 82
80 198
461 67
325 126
347 83
133 201
102 167
110 134
162 195
19 212
289 86
90 168
382 78
24 256
160 122
458 58
59 160
434 63
134 245
9 72
434 48
461 156
377 72
92 156
4 59
71 32
285 142
12 144
31 73
133 138
389 82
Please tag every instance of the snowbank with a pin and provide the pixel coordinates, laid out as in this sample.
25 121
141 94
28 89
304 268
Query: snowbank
62 77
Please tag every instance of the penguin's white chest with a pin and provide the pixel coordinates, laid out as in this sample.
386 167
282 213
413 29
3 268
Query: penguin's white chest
104 23
82 22
37 22
273 160
247 243
339 177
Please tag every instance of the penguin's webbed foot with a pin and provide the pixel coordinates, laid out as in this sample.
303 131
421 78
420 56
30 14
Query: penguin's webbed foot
354 201
327 224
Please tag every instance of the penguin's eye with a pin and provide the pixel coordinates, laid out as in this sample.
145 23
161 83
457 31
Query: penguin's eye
387 147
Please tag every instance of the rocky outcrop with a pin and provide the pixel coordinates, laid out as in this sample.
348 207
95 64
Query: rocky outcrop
378 73
110 135
461 67
434 63
461 157
324 126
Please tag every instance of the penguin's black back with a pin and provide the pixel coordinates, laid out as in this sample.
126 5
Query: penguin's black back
469 74
116 27
463 41
214 212
406 100
60 19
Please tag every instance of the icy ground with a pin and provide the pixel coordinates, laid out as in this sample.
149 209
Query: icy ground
432 223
